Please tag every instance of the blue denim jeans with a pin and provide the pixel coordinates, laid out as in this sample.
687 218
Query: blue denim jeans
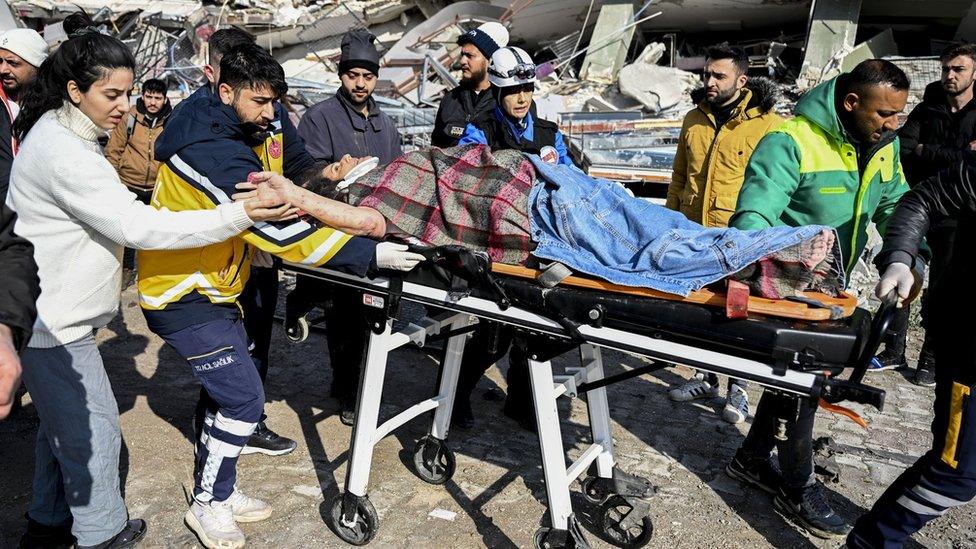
76 465
594 226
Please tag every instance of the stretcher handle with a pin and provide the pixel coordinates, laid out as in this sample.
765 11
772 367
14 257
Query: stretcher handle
882 320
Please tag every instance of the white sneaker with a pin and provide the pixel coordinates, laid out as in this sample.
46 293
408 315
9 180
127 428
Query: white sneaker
214 524
736 405
247 509
694 389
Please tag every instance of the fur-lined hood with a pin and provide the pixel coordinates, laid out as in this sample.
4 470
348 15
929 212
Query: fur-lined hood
765 93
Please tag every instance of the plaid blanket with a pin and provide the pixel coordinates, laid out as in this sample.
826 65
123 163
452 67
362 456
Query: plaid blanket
788 272
461 195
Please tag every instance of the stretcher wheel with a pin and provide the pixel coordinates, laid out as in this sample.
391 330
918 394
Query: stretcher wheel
592 490
634 534
539 540
433 460
364 526
299 332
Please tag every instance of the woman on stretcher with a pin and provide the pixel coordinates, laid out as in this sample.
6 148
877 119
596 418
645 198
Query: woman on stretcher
519 210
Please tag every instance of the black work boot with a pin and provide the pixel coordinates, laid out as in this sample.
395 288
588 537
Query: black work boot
128 537
760 473
462 416
347 411
808 508
523 414
925 370
42 536
267 442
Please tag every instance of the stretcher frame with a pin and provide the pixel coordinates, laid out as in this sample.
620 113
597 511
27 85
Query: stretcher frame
353 517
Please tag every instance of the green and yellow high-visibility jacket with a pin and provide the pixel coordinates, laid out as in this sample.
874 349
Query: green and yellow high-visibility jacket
808 172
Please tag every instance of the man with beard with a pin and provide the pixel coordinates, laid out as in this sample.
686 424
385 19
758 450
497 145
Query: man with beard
940 133
189 297
21 52
349 123
131 146
836 164
471 98
717 138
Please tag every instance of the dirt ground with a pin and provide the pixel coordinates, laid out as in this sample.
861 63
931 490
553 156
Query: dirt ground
496 497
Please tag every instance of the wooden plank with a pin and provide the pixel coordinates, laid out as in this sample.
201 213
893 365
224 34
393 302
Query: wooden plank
757 305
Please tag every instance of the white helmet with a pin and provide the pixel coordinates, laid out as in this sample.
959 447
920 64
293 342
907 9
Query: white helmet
511 66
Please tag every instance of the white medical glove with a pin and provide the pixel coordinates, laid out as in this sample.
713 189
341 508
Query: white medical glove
390 255
898 277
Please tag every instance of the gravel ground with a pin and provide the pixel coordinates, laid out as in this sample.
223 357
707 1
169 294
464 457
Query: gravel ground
496 497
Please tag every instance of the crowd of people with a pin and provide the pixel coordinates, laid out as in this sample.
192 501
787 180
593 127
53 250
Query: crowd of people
211 195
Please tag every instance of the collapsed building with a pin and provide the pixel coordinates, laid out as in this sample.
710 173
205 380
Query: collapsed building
616 75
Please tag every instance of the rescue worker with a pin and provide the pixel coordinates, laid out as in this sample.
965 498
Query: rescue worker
945 476
21 52
348 123
260 296
470 99
835 164
940 132
189 297
717 138
511 124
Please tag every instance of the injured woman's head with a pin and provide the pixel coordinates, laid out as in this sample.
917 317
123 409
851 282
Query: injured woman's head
337 171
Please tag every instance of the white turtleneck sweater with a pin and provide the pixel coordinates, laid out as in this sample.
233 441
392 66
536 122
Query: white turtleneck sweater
72 206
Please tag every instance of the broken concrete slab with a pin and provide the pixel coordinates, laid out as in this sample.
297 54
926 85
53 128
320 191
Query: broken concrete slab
657 88
612 36
831 31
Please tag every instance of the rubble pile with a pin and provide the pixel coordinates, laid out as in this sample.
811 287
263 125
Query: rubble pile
616 76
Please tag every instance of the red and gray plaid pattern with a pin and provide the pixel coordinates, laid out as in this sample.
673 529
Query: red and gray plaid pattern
461 195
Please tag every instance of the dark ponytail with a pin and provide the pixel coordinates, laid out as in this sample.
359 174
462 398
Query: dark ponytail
85 57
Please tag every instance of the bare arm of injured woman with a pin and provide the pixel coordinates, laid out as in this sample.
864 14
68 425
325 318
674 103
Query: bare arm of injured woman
354 220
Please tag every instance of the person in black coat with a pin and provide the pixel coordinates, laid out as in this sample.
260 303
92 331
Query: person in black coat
940 132
945 476
18 297
348 124
471 99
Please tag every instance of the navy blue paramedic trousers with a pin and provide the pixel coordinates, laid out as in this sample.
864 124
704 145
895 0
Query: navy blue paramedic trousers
217 351
945 476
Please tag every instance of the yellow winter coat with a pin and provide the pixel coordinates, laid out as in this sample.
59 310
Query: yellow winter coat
709 165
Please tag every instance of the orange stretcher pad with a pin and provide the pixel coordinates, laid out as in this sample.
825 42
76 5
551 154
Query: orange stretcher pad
739 305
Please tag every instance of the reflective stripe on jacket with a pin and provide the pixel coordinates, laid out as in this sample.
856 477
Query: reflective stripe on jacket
807 172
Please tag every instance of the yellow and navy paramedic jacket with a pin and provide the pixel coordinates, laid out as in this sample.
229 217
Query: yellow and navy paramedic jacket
205 151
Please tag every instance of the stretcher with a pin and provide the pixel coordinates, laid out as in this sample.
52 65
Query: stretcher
795 357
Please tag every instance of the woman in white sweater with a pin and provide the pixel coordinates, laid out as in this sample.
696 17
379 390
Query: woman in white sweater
78 215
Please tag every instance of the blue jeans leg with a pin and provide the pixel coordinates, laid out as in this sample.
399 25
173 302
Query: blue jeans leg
80 427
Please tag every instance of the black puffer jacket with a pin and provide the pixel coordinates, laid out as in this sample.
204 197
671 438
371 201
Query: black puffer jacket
949 195
944 135
19 286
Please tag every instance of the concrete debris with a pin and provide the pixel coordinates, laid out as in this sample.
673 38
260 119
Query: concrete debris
657 88
621 110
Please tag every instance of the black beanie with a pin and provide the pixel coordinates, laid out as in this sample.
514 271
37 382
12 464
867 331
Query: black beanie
358 52
481 40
